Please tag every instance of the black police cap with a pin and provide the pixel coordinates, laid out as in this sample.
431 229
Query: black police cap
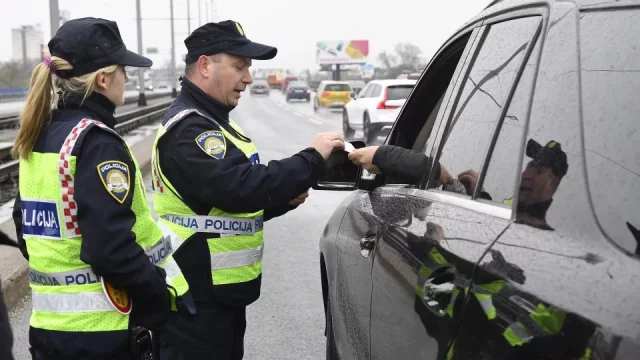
90 44
225 37
550 155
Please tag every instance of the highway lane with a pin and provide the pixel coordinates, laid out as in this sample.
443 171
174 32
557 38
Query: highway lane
287 322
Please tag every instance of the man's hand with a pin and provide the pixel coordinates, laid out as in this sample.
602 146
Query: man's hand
300 199
326 143
469 179
364 157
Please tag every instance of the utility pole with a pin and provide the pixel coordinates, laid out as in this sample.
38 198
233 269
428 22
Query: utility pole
174 92
189 16
142 100
54 16
199 14
25 61
206 9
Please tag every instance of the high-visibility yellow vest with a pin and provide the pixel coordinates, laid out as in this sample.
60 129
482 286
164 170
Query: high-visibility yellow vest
236 252
66 294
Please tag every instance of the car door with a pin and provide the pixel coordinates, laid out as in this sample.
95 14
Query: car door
363 226
451 231
560 290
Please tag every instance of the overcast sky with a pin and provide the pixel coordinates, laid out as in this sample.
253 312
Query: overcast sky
293 26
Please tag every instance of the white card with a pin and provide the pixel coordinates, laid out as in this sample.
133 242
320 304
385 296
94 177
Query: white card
348 147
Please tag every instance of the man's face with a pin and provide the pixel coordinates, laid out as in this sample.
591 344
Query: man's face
228 76
538 184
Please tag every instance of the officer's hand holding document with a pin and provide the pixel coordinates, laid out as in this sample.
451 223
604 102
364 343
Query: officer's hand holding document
327 142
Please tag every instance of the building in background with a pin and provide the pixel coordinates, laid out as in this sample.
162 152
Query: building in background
28 42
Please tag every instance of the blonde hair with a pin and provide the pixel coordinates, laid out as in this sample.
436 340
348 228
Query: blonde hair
44 88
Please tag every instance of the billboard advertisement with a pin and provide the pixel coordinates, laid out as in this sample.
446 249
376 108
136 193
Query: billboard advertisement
342 52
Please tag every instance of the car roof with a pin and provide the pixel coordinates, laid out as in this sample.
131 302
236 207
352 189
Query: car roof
334 82
497 7
298 82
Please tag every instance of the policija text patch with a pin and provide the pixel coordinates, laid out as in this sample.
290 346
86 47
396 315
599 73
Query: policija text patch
213 143
115 178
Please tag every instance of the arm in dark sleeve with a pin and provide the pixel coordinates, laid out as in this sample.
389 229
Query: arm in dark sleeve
17 220
232 183
276 212
108 243
404 163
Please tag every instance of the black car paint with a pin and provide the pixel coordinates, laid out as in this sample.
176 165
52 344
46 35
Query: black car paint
569 264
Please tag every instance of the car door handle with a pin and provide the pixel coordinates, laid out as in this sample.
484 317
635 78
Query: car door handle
368 242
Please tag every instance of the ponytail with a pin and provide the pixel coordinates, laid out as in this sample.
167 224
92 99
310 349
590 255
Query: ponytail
36 111
40 100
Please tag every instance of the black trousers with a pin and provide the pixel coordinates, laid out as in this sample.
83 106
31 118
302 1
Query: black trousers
216 332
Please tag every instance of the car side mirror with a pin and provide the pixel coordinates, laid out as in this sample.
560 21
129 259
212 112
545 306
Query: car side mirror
341 173
353 95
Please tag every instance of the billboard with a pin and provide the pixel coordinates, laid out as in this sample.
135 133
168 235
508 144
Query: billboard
342 52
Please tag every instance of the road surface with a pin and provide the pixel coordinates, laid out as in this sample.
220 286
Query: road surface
287 322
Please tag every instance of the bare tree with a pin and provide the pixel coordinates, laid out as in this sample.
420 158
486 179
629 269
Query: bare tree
388 60
410 56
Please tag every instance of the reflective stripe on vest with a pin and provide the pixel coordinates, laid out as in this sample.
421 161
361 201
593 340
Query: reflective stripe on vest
70 302
236 254
217 224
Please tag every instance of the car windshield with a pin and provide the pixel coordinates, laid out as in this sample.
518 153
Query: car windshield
337 87
400 92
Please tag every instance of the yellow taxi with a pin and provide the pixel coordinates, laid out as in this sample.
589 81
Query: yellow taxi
332 94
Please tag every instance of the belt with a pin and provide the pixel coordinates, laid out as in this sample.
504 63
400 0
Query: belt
217 224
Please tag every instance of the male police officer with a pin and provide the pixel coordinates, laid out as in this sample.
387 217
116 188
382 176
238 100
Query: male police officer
210 188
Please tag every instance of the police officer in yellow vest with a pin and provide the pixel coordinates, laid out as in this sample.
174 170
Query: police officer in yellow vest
210 188
100 265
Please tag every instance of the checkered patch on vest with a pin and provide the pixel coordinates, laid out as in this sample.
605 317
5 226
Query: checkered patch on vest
115 178
213 143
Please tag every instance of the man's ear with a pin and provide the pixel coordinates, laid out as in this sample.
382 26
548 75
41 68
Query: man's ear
204 66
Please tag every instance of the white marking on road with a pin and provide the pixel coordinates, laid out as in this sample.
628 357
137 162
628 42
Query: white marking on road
315 121
279 104
297 114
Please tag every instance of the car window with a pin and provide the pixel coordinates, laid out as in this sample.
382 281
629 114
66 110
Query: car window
466 137
611 94
337 87
363 93
503 170
399 92
376 91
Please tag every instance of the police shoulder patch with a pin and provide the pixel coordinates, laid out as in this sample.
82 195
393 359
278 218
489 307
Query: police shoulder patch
213 143
115 178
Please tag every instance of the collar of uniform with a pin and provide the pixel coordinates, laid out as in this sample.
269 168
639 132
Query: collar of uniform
205 102
96 105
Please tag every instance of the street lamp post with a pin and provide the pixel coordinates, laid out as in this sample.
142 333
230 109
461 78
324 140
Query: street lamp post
189 16
142 100
54 16
174 92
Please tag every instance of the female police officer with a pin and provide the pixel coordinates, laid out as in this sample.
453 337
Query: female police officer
97 258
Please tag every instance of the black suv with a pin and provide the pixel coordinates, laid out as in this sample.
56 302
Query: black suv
537 257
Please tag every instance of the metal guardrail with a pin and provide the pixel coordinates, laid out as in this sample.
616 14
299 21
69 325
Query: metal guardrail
125 123
11 121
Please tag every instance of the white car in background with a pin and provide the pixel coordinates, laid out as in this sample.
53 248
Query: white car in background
375 108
